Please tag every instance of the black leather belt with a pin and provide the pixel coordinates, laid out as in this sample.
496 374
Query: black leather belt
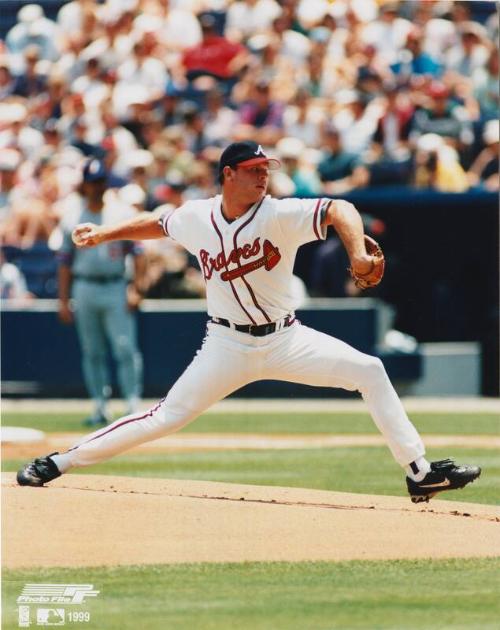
99 279
256 331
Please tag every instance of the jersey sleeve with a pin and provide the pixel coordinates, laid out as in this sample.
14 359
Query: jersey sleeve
176 224
300 219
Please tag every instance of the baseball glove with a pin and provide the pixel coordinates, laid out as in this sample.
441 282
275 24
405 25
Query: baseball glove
372 277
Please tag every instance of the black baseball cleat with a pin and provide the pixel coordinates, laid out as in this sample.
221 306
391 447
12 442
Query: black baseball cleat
38 472
444 475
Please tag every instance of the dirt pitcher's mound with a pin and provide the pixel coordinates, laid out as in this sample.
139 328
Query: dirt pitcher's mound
90 520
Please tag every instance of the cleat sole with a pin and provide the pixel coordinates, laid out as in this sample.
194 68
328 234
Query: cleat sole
424 498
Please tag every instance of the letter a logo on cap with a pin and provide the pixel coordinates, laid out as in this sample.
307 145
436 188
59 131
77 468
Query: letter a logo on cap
260 151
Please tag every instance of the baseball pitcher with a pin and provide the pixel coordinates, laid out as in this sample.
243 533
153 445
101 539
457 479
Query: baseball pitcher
246 243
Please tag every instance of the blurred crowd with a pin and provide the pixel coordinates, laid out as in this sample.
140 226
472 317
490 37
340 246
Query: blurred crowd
348 93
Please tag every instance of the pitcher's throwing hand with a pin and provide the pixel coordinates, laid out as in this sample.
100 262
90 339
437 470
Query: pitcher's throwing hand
87 235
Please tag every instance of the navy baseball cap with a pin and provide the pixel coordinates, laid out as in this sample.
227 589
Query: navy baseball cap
94 170
246 154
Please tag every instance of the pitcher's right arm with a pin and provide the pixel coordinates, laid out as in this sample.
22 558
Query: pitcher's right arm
142 227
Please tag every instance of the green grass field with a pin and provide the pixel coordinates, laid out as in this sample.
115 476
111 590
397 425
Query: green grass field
402 595
346 422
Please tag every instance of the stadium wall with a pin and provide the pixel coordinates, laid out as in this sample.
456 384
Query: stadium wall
41 356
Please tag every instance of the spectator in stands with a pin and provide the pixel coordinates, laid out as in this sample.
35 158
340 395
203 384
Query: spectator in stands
388 32
138 164
305 180
339 170
439 34
371 66
33 28
394 124
218 118
71 15
91 84
303 118
171 276
271 65
103 302
107 43
30 82
142 69
193 128
79 139
49 104
200 182
414 60
247 17
10 161
110 157
485 82
179 28
484 171
357 121
12 282
36 210
442 116
52 136
7 81
470 53
121 140
261 117
132 195
214 56
389 158
437 165
294 45
73 108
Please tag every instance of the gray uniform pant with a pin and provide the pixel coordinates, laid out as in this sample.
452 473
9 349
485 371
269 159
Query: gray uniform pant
102 317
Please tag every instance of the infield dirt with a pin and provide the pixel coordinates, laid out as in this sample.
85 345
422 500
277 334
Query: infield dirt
92 520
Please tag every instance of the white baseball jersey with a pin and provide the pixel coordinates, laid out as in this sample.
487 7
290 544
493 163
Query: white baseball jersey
247 263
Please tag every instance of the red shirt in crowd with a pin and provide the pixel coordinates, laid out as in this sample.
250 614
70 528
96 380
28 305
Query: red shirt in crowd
213 55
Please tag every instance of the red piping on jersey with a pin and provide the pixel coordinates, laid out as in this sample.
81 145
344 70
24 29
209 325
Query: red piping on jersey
245 281
115 426
318 236
235 293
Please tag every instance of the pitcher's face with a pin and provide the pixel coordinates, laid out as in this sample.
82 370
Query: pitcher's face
250 182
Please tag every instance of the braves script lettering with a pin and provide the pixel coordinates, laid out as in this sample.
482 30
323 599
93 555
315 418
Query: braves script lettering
209 264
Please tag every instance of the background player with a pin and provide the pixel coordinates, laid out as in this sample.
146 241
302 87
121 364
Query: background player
102 297
246 244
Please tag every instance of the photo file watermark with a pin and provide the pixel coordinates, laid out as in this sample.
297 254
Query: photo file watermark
40 604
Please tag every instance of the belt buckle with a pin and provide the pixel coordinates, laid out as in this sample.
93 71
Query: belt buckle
264 329
256 330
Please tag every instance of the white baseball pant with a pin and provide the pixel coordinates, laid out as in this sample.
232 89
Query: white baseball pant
229 359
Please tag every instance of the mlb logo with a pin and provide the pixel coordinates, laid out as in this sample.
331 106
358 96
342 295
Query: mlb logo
50 617
24 617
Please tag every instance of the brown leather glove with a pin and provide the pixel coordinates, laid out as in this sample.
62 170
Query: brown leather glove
372 277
